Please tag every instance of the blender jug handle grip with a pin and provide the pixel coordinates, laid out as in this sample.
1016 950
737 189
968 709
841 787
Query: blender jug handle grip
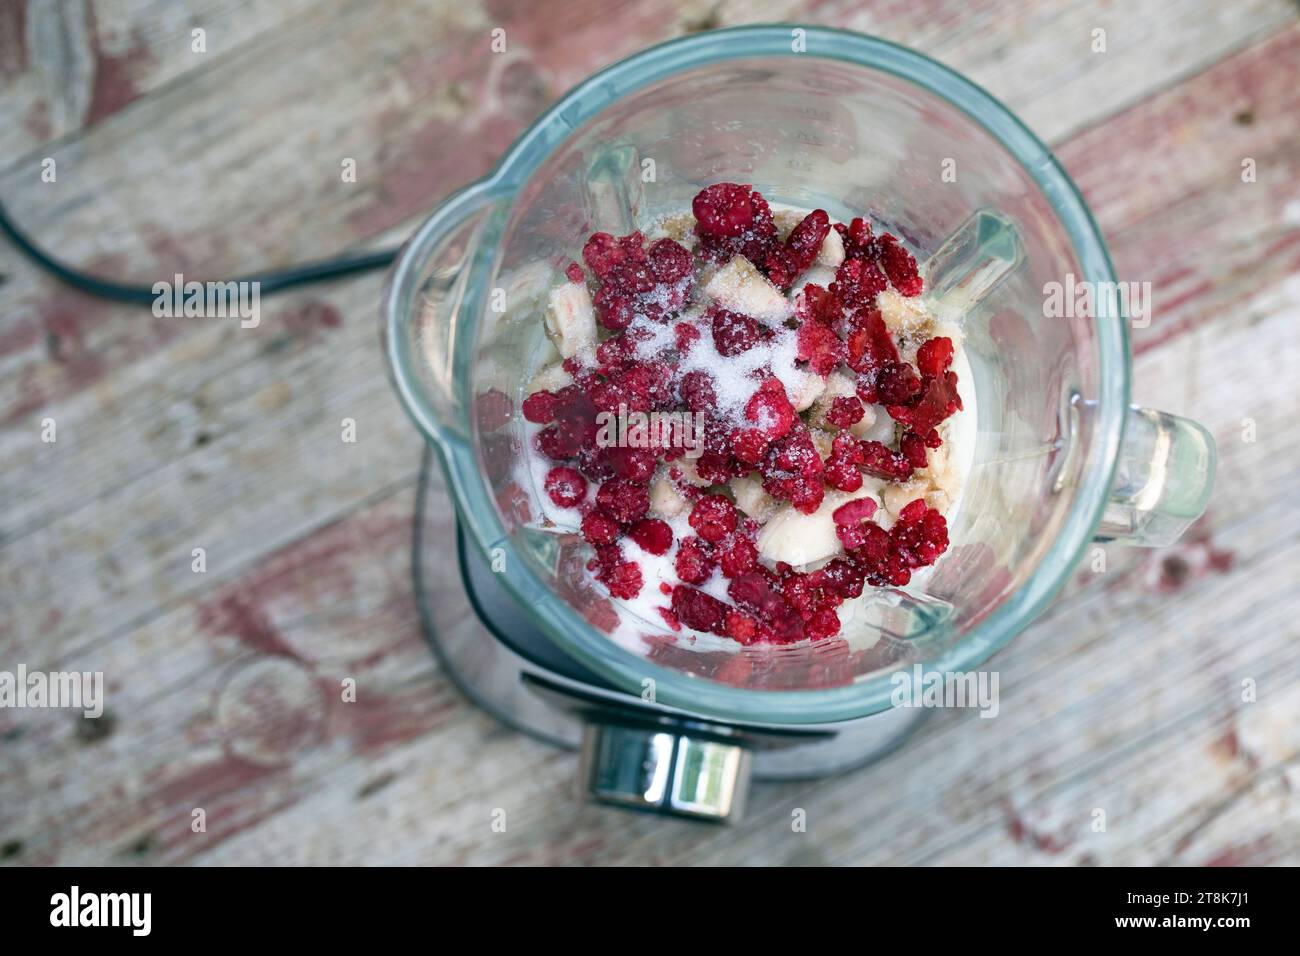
1162 481
435 283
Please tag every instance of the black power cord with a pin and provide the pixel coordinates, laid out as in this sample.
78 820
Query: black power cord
269 283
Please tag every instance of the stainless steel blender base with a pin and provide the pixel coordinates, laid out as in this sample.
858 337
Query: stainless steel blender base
635 754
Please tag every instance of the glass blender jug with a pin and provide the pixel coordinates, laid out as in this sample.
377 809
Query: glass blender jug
854 125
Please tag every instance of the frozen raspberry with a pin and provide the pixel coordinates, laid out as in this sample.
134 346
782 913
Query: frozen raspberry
858 241
770 410
845 411
623 500
899 265
713 518
854 512
784 262
652 535
698 610
912 446
685 335
883 462
566 486
842 473
599 529
733 333
696 390
737 556
740 627
823 623
539 408
669 617
897 384
694 561
793 454
869 347
634 464
934 356
937 402
749 445
573 272
623 579
857 283
723 210
733 220
670 261
820 347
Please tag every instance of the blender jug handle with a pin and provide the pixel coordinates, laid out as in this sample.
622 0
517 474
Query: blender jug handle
436 283
1162 481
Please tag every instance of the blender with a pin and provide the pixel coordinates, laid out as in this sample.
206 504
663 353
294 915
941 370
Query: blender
813 118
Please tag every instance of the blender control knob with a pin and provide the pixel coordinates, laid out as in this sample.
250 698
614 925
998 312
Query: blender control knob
664 771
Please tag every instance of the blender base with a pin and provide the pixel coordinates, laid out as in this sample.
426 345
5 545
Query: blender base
500 661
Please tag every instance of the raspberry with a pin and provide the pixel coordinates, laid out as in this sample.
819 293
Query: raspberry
698 610
883 462
634 464
784 262
912 446
869 346
623 500
599 529
938 401
854 512
823 623
897 384
694 561
733 220
652 535
749 445
845 410
696 391
770 410
740 627
670 261
623 579
934 356
899 265
573 272
685 335
723 210
565 486
733 333
820 347
857 237
539 408
713 518
737 557
842 474
858 282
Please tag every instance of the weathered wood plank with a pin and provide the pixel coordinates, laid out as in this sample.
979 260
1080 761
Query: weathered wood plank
226 680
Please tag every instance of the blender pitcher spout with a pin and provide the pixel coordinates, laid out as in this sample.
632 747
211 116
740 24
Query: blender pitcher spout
425 311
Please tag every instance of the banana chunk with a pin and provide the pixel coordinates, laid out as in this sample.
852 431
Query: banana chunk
739 287
831 254
799 539
665 500
571 318
751 498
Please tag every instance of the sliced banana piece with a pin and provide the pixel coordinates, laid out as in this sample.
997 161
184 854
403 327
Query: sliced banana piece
665 500
751 498
551 378
739 287
831 254
799 539
571 318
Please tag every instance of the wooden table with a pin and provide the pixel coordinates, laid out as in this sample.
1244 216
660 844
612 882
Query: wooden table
176 434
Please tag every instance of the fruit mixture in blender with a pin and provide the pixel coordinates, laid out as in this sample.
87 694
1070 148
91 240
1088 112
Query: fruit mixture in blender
753 420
